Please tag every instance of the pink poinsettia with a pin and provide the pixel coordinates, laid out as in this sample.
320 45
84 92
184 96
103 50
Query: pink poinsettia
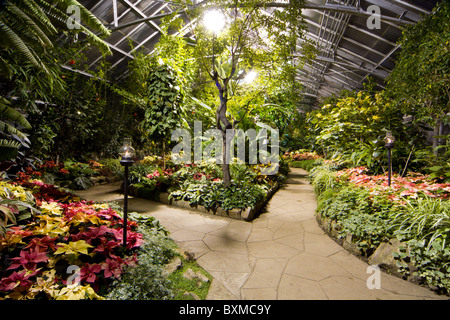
107 248
16 279
89 272
28 260
410 186
112 267
42 244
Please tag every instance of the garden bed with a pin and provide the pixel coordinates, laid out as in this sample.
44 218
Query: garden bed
200 187
247 214
403 228
55 245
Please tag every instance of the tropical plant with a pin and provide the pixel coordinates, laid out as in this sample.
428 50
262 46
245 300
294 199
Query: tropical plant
352 129
31 26
11 137
249 42
420 81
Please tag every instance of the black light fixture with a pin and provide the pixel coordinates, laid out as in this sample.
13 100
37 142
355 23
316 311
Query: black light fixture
389 144
127 153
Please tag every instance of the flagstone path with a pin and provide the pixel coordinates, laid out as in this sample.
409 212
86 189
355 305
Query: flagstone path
281 255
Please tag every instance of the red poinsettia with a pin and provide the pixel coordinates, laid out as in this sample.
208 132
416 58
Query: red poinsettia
28 260
89 272
16 279
42 244
113 267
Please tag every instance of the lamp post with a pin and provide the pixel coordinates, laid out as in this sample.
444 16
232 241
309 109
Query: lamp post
127 153
389 144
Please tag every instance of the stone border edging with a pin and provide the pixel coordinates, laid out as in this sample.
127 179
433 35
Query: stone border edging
247 214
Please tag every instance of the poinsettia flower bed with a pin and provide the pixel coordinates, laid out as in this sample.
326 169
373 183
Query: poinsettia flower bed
300 155
66 241
411 186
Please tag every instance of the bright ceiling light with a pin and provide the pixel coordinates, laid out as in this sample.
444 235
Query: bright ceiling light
214 21
250 77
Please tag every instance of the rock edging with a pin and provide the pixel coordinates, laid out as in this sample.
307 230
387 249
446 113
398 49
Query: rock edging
247 214
383 256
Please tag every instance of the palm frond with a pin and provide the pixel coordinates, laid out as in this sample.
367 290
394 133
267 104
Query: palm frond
35 12
9 114
8 149
30 25
10 38
88 18
60 18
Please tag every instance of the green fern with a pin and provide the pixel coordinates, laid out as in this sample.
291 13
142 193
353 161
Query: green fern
29 26
8 116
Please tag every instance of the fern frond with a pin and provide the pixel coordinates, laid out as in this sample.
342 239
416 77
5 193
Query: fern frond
8 149
29 24
10 38
9 114
35 12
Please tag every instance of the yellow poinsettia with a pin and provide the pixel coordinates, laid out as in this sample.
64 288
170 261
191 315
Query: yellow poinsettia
100 206
10 240
46 284
52 208
78 293
51 226
82 217
8 190
73 247
21 293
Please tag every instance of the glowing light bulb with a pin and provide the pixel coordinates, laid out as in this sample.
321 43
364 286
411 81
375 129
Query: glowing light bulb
214 21
250 77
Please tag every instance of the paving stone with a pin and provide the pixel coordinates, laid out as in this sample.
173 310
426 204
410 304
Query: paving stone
220 244
313 267
232 281
260 234
226 262
259 294
270 249
186 235
296 288
288 229
266 273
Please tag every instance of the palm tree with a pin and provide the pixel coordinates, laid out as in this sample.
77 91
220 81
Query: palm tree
11 138
29 26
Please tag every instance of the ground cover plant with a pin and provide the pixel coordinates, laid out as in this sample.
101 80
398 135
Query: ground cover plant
414 210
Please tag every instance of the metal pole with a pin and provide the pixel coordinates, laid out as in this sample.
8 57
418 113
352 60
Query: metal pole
389 167
125 206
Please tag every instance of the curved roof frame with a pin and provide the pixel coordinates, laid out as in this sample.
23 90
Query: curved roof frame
354 39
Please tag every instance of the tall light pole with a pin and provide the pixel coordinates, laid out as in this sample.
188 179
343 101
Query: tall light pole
127 152
389 144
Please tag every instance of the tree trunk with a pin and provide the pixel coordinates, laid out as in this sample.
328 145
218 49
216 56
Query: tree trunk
225 166
223 124
438 130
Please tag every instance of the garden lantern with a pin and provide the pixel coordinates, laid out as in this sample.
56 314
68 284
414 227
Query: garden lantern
389 144
127 153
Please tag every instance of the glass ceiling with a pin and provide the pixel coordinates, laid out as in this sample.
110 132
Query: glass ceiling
352 42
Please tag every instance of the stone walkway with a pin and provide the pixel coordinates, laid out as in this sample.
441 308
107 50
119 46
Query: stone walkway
281 255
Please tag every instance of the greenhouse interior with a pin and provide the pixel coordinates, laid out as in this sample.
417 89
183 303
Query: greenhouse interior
224 150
